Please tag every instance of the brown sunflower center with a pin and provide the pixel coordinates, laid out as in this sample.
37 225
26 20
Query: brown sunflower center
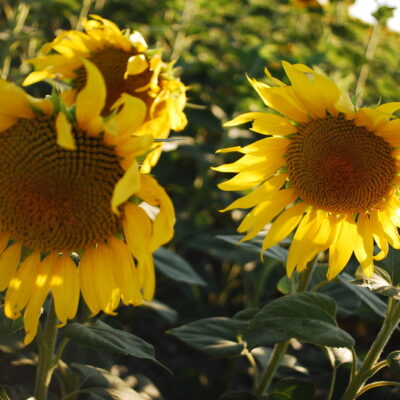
112 62
339 167
52 199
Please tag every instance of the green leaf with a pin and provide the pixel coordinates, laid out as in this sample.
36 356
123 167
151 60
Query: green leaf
393 360
176 268
9 326
100 336
368 297
293 389
254 246
380 282
310 317
218 335
241 396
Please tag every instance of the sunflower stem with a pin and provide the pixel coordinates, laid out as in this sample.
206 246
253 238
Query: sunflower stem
46 361
279 349
368 367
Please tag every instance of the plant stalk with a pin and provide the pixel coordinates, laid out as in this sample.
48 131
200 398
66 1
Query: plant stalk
367 368
46 362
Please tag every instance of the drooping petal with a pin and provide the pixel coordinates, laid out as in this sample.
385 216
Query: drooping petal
20 287
342 247
90 100
128 185
65 137
9 261
364 245
40 290
64 286
14 101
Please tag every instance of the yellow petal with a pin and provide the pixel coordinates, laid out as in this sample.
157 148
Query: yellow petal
125 273
9 261
40 290
262 193
138 231
342 247
265 212
7 121
284 225
128 118
390 132
379 236
35 76
163 225
20 287
265 123
364 245
14 101
65 288
91 100
136 65
65 137
128 185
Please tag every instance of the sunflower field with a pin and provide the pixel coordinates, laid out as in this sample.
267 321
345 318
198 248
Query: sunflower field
199 200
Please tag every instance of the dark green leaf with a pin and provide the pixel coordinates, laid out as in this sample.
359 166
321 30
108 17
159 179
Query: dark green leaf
393 360
176 268
9 326
293 389
369 298
168 313
3 394
100 336
217 336
310 317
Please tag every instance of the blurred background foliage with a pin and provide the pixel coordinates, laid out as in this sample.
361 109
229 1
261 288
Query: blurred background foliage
216 43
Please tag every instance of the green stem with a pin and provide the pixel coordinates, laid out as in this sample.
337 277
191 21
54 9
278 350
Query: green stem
333 382
377 384
279 349
46 362
368 366
277 354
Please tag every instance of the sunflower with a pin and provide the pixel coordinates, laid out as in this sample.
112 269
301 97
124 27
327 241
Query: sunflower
73 204
325 168
127 66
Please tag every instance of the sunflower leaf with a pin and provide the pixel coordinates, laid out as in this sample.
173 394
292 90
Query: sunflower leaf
176 268
309 317
100 336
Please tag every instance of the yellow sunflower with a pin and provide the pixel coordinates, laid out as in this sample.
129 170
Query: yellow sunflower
71 185
127 66
325 168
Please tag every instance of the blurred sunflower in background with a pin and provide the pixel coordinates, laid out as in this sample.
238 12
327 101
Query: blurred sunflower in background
306 3
325 168
127 66
71 186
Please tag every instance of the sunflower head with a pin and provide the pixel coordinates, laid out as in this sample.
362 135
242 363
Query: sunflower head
127 66
71 184
325 170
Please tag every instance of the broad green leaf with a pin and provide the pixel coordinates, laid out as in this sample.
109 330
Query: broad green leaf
310 317
100 336
393 360
218 335
102 384
293 389
176 268
168 313
369 298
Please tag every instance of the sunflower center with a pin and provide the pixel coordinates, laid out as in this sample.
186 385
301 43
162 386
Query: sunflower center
53 199
339 167
112 62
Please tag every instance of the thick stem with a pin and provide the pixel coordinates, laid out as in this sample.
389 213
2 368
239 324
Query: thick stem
367 368
46 362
